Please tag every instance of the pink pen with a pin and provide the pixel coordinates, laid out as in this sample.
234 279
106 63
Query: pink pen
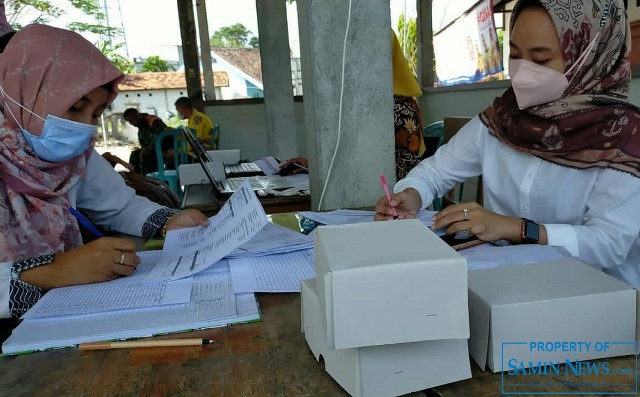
385 187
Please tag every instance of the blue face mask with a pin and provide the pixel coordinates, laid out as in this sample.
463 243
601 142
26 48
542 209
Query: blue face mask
61 139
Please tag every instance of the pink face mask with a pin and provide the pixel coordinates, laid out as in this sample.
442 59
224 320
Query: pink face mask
535 85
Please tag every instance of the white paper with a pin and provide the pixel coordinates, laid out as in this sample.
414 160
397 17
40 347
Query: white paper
345 217
212 304
269 165
271 239
487 256
294 182
122 293
189 251
272 273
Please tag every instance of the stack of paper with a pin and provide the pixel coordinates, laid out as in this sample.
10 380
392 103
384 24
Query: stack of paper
150 302
273 239
212 303
345 217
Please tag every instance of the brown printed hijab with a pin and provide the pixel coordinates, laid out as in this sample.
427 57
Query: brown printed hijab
592 125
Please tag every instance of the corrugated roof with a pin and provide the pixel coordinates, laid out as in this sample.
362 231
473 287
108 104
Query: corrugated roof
165 80
245 59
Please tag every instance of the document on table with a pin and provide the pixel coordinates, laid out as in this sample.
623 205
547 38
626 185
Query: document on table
212 304
272 273
189 251
273 239
487 256
345 217
122 293
269 165
294 181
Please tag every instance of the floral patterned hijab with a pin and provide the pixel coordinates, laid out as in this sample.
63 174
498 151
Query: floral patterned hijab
592 125
46 70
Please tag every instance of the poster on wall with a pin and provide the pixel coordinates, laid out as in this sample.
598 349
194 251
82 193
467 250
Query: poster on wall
467 50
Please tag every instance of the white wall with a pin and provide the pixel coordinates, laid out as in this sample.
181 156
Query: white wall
161 100
633 11
244 127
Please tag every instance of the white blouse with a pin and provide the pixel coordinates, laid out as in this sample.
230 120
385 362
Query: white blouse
593 213
103 195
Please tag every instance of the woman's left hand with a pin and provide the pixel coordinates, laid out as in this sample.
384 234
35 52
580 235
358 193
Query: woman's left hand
477 220
187 218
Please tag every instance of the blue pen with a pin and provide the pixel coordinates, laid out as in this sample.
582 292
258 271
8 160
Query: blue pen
85 222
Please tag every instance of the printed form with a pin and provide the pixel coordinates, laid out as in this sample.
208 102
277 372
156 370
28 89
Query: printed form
122 293
272 273
189 251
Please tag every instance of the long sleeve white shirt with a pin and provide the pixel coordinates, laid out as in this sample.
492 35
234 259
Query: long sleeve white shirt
593 213
103 195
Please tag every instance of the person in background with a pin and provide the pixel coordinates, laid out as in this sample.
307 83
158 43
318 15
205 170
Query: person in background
407 118
559 151
198 122
48 118
6 30
148 126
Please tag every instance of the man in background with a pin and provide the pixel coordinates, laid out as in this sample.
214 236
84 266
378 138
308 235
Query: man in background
198 122
144 159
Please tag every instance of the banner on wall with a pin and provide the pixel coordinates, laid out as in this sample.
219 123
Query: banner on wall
467 50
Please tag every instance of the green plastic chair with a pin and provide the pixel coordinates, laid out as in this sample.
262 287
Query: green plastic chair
215 137
180 156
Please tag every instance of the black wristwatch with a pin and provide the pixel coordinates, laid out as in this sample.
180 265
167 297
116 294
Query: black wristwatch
530 232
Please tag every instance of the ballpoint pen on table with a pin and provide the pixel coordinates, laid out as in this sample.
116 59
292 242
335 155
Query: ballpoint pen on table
144 343
385 187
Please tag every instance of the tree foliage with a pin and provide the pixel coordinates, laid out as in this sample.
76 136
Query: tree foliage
408 38
156 64
44 11
234 36
110 50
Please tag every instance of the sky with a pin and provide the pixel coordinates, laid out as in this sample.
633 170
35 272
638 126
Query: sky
152 32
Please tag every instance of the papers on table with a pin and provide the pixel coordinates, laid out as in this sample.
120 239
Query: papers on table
273 239
212 304
486 256
123 293
189 251
272 273
293 181
345 217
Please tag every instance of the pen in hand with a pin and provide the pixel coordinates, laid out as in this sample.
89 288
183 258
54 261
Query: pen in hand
85 222
385 187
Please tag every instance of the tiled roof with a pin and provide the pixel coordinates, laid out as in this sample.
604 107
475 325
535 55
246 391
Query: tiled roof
165 80
245 59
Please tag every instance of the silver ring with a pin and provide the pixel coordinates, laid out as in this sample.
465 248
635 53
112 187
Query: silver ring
122 258
465 213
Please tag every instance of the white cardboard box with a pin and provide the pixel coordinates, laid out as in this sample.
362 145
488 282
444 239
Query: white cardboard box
381 371
558 301
389 282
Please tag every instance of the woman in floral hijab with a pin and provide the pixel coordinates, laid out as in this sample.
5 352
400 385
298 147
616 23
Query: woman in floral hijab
559 151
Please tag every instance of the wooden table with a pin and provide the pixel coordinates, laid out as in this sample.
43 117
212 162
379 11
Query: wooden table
268 358
201 198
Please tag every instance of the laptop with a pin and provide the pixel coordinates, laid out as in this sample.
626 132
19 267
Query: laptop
216 173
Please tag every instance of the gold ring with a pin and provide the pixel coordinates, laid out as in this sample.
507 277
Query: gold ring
465 213
122 258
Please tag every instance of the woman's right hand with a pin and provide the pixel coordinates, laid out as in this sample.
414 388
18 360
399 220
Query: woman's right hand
94 262
407 204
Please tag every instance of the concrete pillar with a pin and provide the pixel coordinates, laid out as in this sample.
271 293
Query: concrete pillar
205 51
190 50
276 77
366 148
